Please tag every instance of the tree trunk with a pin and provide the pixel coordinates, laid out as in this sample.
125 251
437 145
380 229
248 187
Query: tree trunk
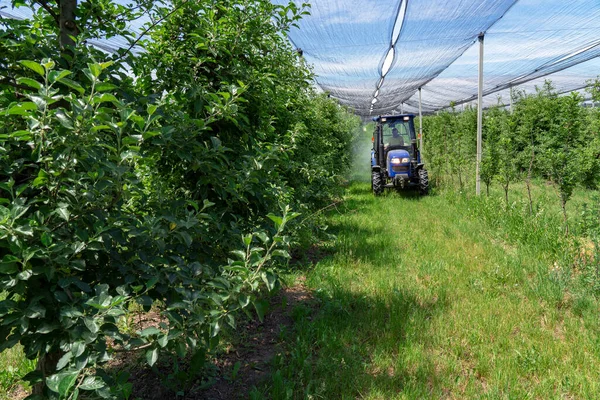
47 365
68 28
563 204
506 192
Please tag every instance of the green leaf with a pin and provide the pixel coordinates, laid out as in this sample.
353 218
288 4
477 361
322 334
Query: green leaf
261 307
92 383
41 179
21 135
215 327
163 341
150 134
270 280
104 86
152 356
47 328
91 324
32 65
150 331
9 265
105 97
263 237
106 64
48 63
278 220
239 254
29 82
95 69
64 360
151 109
22 108
244 300
186 238
62 382
181 349
77 348
56 76
73 85
281 253
63 212
46 239
64 119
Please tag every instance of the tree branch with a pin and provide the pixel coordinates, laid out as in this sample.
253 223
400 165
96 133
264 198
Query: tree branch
50 11
10 82
158 21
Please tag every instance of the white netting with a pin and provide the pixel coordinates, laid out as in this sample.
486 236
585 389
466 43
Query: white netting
373 55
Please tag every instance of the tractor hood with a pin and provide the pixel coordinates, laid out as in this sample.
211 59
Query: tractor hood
397 154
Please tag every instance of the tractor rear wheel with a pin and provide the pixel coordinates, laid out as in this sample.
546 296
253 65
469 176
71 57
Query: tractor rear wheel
423 181
376 183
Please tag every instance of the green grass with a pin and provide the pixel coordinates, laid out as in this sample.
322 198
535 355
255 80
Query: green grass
13 366
443 297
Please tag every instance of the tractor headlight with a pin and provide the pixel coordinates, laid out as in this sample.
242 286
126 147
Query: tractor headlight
398 160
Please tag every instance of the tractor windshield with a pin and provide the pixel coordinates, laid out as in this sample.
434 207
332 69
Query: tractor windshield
397 132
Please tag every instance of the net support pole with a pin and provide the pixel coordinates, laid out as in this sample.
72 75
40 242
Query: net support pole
401 108
511 99
420 125
479 116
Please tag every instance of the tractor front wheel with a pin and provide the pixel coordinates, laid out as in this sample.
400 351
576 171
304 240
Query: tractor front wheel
376 183
423 181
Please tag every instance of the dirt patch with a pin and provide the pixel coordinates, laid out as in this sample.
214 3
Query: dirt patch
18 393
310 256
243 366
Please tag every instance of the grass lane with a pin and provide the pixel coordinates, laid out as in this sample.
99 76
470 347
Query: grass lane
421 300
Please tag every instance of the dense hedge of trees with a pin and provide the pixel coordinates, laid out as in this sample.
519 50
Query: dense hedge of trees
545 135
166 175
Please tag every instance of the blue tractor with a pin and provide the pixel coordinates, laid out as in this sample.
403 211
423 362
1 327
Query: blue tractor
395 159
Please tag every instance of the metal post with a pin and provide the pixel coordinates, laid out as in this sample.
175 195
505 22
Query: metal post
479 116
401 108
511 99
420 125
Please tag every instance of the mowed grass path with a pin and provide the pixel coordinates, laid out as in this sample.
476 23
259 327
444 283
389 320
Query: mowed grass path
420 300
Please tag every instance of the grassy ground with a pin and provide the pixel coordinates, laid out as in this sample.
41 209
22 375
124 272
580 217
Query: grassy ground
443 297
437 297
13 365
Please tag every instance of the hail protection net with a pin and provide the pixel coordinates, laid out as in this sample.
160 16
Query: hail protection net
374 55
108 44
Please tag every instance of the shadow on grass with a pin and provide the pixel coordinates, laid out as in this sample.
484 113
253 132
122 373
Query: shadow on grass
356 344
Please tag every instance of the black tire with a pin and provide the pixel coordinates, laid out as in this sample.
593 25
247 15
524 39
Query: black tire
423 181
376 183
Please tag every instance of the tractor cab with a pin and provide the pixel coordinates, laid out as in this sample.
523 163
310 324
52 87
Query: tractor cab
395 158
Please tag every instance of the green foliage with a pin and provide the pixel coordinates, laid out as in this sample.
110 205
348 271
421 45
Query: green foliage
117 191
546 136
